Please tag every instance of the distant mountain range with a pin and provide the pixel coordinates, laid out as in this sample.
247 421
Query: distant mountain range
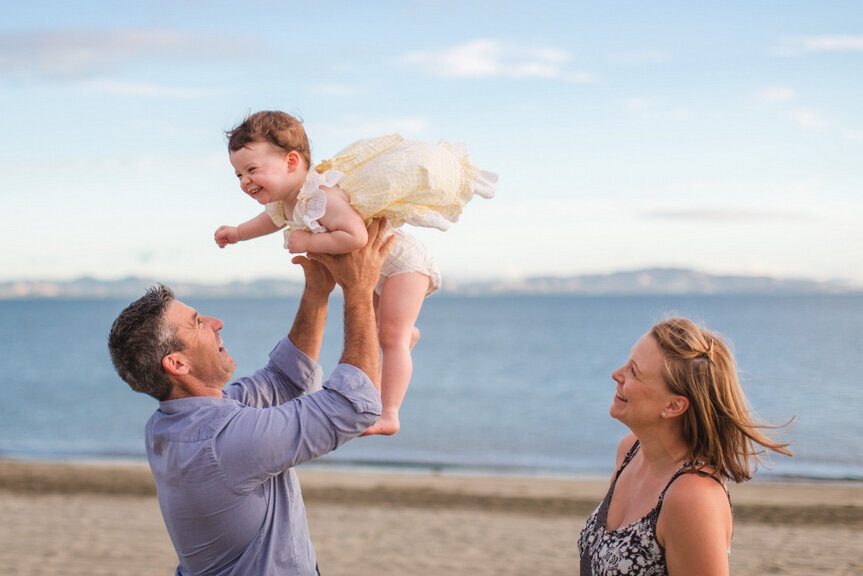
655 281
647 281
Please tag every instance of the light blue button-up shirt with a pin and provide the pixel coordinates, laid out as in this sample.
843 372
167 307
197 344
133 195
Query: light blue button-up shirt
224 466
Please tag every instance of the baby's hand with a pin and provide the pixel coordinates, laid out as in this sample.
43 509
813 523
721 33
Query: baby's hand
227 235
298 241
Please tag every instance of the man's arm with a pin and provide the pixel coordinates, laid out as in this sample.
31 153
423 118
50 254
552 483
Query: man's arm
357 273
307 333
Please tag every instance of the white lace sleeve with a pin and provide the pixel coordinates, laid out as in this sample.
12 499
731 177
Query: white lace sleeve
331 178
315 208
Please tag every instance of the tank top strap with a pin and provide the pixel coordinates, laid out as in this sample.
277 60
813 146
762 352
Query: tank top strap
687 469
629 456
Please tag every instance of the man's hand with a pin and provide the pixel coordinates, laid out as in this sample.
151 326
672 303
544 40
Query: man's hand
318 278
359 271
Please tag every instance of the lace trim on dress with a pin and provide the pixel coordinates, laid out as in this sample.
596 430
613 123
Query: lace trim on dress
312 201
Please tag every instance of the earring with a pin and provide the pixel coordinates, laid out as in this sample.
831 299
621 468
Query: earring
664 414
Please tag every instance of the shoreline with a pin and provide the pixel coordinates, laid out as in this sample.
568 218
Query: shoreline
101 517
415 469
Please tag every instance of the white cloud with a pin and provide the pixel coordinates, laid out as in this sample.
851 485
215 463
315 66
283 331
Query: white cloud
794 46
833 44
486 58
83 53
776 94
809 119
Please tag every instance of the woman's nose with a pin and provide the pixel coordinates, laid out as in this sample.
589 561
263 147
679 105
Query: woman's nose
616 375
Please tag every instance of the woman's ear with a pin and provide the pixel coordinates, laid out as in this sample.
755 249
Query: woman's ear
175 364
676 406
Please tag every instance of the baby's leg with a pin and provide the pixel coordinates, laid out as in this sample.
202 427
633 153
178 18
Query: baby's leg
399 306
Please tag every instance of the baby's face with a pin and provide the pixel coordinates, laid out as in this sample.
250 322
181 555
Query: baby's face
266 173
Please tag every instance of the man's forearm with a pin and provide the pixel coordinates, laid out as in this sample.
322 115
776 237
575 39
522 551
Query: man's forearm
361 337
307 333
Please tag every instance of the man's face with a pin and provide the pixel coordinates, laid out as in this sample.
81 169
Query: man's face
208 361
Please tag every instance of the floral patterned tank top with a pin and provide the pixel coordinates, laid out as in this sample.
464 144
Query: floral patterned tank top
631 549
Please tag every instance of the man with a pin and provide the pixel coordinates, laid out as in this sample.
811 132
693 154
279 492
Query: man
223 458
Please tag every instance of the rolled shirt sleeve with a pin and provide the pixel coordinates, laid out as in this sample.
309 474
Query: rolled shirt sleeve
289 374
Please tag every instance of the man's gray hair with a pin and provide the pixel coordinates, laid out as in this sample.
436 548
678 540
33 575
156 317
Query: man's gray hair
139 339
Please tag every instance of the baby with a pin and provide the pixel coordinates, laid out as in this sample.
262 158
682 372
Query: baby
325 210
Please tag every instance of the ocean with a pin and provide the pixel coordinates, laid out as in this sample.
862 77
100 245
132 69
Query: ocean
501 384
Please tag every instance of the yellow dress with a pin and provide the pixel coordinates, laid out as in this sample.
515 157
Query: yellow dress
409 182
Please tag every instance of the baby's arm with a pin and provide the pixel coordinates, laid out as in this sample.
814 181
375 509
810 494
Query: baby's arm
346 229
260 225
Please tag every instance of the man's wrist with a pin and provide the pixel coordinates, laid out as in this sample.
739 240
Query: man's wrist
316 296
357 294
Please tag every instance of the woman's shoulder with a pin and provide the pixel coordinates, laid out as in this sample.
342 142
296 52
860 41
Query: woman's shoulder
693 491
696 515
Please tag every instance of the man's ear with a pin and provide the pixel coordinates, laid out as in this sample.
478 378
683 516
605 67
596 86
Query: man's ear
175 364
676 406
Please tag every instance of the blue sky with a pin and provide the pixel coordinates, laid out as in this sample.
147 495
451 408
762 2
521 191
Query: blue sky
725 137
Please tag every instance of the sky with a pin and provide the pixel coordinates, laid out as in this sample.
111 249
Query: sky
723 137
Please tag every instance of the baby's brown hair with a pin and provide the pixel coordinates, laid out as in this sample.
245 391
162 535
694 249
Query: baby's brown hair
278 128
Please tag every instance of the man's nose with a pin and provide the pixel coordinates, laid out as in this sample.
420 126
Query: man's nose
214 323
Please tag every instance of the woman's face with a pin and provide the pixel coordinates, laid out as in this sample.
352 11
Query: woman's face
642 393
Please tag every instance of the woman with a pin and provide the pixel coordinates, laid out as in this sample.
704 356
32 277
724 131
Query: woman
667 510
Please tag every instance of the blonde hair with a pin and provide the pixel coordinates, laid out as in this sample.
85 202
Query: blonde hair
278 128
717 426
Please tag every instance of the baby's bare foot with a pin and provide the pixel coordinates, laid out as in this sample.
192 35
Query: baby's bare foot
385 426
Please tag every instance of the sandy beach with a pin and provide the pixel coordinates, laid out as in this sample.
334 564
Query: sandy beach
94 519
